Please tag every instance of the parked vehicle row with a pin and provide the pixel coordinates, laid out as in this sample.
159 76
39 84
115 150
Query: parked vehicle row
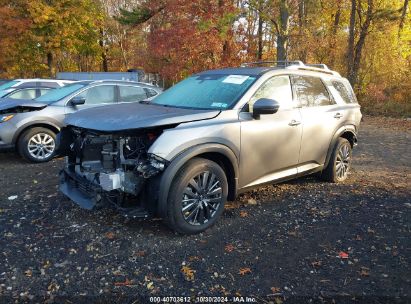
30 126
27 87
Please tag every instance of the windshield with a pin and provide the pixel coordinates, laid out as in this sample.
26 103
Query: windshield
60 93
211 91
7 84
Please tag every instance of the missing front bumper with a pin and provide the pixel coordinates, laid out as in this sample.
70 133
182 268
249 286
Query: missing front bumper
90 196
80 190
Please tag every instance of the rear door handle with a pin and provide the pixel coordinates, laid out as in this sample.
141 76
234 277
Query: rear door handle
294 122
338 115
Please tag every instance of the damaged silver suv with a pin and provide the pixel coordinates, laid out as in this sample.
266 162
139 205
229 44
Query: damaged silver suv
182 155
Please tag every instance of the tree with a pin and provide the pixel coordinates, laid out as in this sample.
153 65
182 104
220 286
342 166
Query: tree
361 18
185 36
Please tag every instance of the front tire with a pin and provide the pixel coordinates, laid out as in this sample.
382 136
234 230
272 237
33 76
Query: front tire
197 196
37 145
339 164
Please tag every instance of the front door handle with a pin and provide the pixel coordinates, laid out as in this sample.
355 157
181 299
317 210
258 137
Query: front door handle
294 122
338 115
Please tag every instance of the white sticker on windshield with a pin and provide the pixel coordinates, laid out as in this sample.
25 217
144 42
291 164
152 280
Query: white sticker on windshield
219 105
236 79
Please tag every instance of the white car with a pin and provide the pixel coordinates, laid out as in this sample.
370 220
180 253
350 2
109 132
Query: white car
12 85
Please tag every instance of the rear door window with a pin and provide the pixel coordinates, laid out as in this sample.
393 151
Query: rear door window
311 91
43 91
99 95
132 94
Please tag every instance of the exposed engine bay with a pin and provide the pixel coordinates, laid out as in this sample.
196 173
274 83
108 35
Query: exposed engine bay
107 168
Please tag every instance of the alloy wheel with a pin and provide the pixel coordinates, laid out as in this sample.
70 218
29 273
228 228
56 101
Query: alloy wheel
343 161
201 198
41 146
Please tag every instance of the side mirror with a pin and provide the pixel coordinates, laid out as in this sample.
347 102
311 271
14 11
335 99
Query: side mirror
76 101
265 106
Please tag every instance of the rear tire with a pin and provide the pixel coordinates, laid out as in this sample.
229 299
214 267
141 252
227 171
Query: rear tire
37 145
340 162
197 196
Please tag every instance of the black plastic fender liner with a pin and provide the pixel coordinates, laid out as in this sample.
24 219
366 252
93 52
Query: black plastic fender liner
337 134
168 175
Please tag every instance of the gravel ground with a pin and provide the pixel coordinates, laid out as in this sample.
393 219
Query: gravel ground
299 241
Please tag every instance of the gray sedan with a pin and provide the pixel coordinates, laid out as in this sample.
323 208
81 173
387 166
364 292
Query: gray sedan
31 126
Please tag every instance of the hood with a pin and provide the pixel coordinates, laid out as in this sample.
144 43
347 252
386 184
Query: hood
127 116
10 105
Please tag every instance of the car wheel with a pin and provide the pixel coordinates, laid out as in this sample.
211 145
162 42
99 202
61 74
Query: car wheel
340 162
37 145
197 196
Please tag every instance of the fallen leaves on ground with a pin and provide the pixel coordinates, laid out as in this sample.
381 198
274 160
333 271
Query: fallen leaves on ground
127 282
243 213
244 271
194 258
252 201
275 289
188 273
110 235
229 248
364 271
28 273
139 253
316 264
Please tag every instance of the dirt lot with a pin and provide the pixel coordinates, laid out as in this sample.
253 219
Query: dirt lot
295 241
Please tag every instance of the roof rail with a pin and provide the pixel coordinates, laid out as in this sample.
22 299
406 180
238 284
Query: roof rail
317 69
318 65
295 64
279 63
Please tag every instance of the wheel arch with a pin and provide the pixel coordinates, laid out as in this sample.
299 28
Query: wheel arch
347 132
47 125
218 153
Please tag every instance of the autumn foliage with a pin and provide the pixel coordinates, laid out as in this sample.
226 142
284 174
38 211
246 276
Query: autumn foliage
368 41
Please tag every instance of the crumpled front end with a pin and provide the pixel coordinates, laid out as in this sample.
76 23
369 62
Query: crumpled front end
109 170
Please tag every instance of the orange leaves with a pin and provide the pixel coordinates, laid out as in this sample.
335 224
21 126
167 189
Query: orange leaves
275 289
127 282
110 235
189 48
244 271
343 255
243 213
229 248
139 253
188 273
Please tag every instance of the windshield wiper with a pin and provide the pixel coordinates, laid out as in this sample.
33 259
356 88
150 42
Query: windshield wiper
145 101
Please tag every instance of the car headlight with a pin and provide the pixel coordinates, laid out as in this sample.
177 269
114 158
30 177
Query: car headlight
5 118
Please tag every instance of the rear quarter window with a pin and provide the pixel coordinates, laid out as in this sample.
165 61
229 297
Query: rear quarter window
345 93
151 93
